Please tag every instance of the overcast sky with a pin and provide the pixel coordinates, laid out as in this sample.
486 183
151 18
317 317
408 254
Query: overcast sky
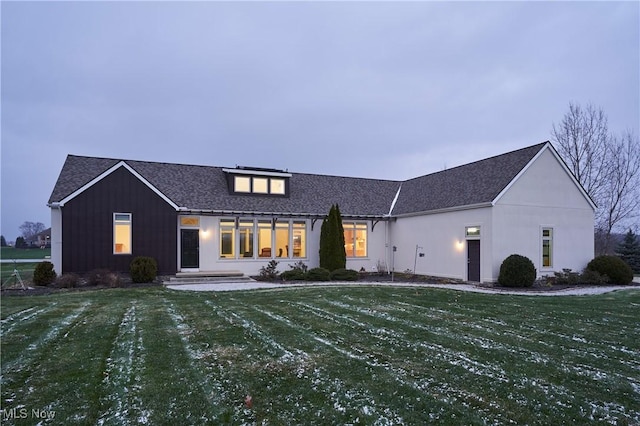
369 89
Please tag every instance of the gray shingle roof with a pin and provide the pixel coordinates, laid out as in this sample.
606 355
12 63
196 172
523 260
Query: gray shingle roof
205 188
473 183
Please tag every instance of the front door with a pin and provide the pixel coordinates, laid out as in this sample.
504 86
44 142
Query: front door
190 248
473 260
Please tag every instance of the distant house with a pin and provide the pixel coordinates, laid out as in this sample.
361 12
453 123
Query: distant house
41 239
459 223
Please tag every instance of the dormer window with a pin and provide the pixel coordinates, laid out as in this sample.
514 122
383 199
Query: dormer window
258 181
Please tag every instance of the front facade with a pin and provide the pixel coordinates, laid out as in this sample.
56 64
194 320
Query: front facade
459 223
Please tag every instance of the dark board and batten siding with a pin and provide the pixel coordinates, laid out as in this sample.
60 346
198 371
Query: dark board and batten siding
87 226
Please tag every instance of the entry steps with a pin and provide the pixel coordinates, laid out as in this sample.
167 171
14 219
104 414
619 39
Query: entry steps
208 277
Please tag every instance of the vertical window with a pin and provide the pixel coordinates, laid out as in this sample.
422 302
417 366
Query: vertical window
227 230
299 239
282 240
547 247
122 233
264 238
245 236
242 184
355 239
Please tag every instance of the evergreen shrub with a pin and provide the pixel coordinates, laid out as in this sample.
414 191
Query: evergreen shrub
318 274
343 274
143 269
293 275
517 271
615 269
44 273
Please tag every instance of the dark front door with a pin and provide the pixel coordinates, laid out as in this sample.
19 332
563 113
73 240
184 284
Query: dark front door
190 246
473 260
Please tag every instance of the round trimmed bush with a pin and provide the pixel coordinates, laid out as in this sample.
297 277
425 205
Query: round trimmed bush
343 274
44 274
318 274
143 269
517 271
616 270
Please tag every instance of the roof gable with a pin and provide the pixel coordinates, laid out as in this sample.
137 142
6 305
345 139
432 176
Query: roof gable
68 180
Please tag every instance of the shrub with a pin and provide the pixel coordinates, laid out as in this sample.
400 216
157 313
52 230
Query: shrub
592 277
343 274
517 271
299 266
44 273
567 276
269 272
143 269
293 275
616 270
318 274
69 280
103 277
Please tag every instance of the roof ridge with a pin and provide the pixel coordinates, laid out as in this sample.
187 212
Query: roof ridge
541 144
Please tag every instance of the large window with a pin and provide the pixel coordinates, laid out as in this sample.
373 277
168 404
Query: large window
122 233
355 239
272 238
547 247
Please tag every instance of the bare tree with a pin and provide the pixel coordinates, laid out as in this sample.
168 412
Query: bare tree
581 139
621 198
29 229
608 167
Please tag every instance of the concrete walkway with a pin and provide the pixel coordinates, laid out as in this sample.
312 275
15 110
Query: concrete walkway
255 285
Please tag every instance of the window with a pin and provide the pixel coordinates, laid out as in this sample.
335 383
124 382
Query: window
245 236
263 239
547 247
227 232
282 239
260 185
355 239
299 239
472 231
242 184
122 233
277 186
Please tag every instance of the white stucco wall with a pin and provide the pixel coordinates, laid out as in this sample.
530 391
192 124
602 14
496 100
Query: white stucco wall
443 241
544 196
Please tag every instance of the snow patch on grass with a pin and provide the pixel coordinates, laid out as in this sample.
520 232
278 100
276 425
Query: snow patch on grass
122 403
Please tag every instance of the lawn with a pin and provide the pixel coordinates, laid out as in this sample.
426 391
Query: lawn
351 355
25 269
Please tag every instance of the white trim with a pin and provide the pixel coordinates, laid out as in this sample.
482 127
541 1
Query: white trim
249 172
106 173
445 210
395 199
549 147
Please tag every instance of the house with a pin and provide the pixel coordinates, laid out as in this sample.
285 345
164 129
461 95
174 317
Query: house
459 223
40 240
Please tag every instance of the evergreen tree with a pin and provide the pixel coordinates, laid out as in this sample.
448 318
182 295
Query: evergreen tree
629 251
3 241
332 254
341 254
